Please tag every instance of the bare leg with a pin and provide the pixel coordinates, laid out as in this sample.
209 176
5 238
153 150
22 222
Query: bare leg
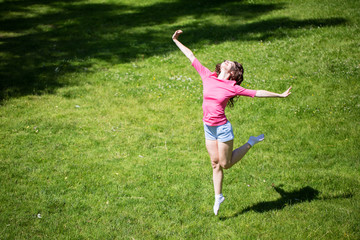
228 157
218 174
223 156
218 177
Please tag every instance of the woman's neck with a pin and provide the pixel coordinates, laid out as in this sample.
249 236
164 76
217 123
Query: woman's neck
224 76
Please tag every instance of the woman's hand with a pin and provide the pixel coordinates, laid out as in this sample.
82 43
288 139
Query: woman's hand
267 94
188 53
176 34
286 93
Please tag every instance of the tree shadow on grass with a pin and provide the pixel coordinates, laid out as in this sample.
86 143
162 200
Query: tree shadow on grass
42 41
305 194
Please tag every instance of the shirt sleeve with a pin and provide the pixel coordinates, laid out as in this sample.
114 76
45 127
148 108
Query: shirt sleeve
244 92
203 71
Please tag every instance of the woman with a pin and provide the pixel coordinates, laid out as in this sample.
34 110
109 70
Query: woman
219 89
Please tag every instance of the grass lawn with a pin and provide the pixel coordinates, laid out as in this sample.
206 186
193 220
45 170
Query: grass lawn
101 132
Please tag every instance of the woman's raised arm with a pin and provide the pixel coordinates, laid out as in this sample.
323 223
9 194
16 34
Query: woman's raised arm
264 93
188 53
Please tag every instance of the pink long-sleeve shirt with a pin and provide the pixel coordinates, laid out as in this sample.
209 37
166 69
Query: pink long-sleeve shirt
216 94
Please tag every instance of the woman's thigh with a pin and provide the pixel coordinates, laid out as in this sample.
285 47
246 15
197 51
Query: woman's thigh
219 151
212 148
225 150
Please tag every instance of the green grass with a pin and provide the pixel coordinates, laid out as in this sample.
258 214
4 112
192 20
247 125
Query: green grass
100 120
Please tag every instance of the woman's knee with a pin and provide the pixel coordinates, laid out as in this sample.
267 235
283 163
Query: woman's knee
225 154
215 163
224 163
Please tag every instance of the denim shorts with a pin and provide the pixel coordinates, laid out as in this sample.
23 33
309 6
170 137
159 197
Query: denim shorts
222 133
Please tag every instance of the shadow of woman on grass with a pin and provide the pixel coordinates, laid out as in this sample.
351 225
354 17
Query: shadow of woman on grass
305 194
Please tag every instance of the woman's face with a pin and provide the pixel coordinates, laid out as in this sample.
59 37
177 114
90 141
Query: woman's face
227 66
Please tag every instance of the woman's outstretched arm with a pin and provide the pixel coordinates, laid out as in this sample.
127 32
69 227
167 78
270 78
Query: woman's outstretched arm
264 93
188 53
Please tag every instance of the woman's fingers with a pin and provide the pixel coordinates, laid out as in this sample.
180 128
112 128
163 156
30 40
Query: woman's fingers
286 93
289 90
177 33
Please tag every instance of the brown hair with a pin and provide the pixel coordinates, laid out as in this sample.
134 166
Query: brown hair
238 76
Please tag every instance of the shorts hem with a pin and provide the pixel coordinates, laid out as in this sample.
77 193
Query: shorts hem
225 140
222 133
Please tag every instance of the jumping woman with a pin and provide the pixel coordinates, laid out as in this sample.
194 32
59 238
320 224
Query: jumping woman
219 89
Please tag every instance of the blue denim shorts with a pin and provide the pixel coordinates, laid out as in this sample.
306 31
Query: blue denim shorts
222 133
